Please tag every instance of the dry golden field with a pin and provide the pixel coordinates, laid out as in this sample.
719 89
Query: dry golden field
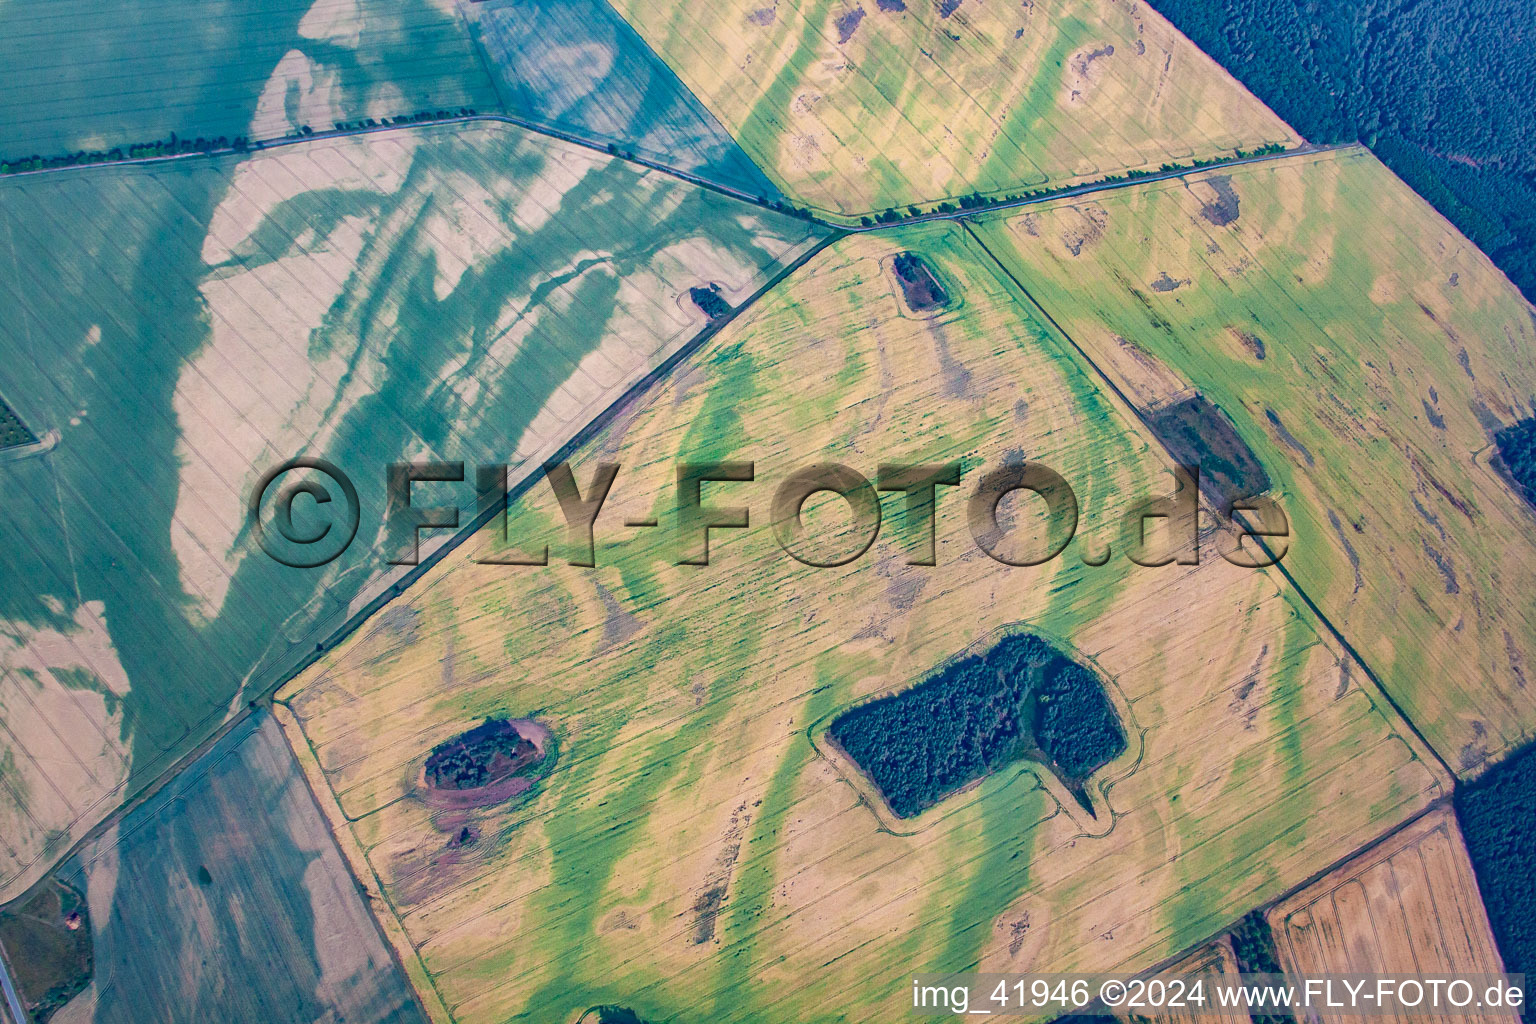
1408 906
693 853
1211 962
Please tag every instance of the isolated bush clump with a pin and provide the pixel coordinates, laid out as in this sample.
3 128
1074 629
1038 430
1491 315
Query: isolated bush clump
1021 698
468 761
1497 812
1517 448
710 301
921 289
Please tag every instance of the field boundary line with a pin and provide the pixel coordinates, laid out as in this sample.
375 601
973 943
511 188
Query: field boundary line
430 558
842 222
1312 879
380 909
1279 564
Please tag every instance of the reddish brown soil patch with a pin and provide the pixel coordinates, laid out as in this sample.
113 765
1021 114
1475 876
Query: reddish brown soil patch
483 796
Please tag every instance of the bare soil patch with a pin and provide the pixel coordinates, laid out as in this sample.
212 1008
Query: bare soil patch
1224 209
1197 433
848 24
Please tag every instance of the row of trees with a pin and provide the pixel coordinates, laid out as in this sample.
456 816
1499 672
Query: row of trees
977 201
1444 93
419 117
175 146
977 713
171 146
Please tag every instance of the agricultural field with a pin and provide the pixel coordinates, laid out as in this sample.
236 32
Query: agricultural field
1213 962
1368 355
76 75
697 851
577 67
856 106
1408 906
223 897
479 293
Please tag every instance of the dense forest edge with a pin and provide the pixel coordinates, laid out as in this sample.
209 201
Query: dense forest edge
1517 451
13 432
1019 699
1443 93
1497 812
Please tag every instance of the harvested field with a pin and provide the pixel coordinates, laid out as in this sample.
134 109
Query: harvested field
79 75
1212 962
457 293
694 853
923 102
224 898
1392 353
1407 906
